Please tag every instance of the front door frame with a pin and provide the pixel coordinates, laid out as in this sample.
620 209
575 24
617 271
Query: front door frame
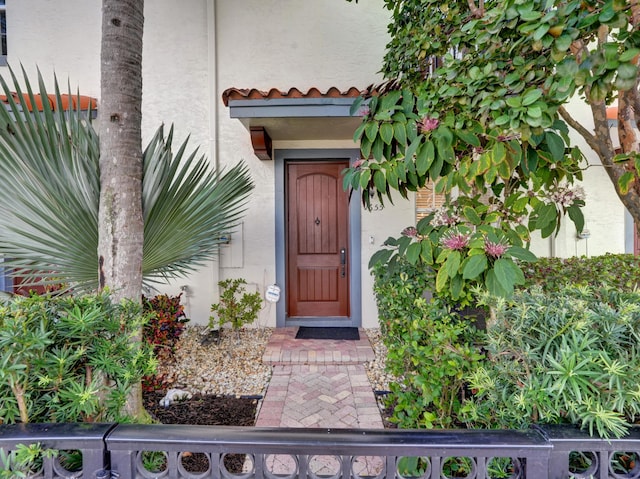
355 286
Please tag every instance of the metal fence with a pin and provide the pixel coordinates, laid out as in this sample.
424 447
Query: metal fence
128 451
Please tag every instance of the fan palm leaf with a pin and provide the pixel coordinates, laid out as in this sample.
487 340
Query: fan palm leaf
50 186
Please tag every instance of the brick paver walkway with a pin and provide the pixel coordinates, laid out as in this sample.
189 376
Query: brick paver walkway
318 383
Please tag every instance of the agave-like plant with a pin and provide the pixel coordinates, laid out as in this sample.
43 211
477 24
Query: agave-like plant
50 188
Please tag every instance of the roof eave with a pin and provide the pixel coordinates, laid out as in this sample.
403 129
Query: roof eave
291 108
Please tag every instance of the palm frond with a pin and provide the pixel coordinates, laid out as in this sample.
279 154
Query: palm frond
49 195
48 191
187 208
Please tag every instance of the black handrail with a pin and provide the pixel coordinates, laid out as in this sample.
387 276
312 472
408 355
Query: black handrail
117 450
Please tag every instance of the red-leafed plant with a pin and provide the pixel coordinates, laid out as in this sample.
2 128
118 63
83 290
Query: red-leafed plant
163 330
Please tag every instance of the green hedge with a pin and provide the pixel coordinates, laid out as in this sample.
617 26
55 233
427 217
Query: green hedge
430 349
620 271
568 357
526 372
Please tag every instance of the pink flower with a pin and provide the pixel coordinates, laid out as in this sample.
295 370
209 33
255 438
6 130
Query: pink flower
364 111
495 250
428 124
358 163
454 240
444 217
565 195
410 231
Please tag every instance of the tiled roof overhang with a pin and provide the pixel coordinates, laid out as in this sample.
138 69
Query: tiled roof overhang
75 101
293 114
239 94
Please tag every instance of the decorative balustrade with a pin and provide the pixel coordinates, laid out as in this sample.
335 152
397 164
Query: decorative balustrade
128 451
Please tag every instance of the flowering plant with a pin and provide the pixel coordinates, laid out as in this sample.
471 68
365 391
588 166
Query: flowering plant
500 184
462 254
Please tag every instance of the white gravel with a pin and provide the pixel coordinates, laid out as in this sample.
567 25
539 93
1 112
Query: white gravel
233 366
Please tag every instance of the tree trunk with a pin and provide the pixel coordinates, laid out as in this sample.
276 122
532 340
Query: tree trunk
120 114
599 139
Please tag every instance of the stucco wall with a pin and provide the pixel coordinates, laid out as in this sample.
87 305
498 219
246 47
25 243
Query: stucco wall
178 89
604 213
61 38
281 44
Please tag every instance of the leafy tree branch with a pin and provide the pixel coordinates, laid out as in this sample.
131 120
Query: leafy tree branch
474 101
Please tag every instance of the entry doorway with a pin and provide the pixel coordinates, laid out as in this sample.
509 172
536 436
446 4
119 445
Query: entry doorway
317 240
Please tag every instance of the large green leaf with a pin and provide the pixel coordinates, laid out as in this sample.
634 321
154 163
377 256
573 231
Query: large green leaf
521 253
386 132
555 144
575 213
505 274
452 264
546 214
49 194
474 266
413 252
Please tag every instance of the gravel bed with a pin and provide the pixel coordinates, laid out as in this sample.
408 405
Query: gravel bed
378 378
232 365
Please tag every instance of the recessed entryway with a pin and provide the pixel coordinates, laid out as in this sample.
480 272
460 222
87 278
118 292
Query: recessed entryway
317 240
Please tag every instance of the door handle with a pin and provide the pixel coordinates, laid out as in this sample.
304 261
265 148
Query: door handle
343 262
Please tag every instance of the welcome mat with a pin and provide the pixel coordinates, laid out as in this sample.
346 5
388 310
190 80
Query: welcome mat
308 332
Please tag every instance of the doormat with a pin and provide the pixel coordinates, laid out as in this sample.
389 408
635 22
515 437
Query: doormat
308 332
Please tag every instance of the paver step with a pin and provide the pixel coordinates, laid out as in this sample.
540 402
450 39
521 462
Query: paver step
284 348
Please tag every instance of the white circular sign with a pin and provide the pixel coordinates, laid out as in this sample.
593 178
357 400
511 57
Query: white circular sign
272 294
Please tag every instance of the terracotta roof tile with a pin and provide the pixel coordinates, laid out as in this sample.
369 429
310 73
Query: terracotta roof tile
85 101
274 93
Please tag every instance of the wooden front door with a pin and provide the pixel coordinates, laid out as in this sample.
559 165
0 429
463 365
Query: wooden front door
317 239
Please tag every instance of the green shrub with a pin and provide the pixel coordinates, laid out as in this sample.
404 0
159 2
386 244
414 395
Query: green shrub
569 357
236 307
430 350
25 461
621 271
396 289
69 359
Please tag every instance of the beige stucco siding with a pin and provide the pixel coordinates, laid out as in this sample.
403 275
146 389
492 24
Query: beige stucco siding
283 44
604 213
177 84
61 38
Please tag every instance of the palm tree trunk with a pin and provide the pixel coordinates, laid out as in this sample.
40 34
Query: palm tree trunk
120 115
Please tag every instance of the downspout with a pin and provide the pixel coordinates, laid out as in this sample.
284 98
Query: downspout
629 233
212 61
212 87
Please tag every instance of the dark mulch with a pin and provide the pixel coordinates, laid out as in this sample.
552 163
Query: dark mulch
205 410
386 409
